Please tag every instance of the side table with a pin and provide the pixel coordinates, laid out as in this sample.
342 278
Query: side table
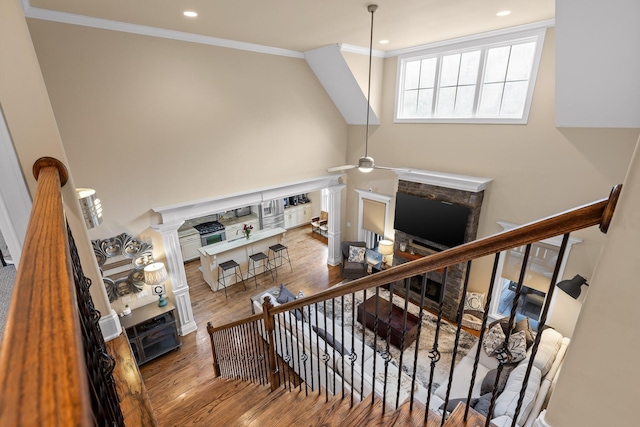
152 331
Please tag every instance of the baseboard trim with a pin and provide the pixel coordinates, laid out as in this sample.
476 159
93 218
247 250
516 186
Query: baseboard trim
110 326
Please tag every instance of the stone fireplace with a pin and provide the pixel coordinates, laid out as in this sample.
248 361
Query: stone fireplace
456 189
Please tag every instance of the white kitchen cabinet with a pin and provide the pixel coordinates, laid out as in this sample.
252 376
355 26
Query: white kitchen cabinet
189 246
304 214
295 216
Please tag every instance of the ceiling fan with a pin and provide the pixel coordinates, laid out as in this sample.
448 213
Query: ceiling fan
366 163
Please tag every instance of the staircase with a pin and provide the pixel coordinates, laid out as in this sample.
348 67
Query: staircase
241 403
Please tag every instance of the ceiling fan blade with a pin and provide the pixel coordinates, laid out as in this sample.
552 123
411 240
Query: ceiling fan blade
392 169
341 168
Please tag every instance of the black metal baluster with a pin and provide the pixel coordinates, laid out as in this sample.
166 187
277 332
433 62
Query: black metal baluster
543 319
293 348
353 356
286 357
256 352
386 356
105 402
402 338
434 354
318 351
485 316
363 321
417 350
342 326
375 334
503 354
300 310
310 348
265 349
278 323
251 355
304 357
465 286
333 334
325 355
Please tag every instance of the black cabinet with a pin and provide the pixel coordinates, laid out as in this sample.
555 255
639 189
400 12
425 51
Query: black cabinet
152 331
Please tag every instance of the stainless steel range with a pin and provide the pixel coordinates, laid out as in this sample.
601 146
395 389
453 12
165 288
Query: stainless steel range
211 232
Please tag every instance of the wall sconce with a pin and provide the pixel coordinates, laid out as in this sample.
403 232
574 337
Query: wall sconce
91 207
155 275
573 287
385 247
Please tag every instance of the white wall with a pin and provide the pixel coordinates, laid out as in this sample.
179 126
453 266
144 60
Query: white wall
598 63
598 384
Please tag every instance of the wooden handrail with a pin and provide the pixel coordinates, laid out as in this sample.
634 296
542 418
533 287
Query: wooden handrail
42 368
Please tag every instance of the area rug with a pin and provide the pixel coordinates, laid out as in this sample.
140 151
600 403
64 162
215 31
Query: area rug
446 338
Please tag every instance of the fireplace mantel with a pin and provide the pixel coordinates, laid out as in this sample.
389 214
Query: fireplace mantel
472 184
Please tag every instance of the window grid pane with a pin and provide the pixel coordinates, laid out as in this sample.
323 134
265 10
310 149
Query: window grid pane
491 81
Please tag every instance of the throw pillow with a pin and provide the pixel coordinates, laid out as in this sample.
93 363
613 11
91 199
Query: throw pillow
493 339
490 379
515 351
474 301
356 254
504 324
285 295
483 403
525 327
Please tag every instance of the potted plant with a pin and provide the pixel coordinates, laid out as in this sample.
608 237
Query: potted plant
247 230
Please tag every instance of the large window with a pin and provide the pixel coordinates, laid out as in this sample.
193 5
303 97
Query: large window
488 80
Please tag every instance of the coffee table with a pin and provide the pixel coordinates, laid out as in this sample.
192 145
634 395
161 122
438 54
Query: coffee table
388 322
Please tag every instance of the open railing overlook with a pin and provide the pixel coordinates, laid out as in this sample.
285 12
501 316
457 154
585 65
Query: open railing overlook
291 345
53 352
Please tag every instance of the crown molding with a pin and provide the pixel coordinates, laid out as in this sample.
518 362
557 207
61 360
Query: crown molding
472 184
106 24
474 37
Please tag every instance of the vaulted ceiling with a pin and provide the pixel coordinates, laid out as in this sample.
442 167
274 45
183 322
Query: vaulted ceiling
301 25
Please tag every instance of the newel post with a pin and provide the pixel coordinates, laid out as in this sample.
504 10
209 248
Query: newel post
269 325
216 365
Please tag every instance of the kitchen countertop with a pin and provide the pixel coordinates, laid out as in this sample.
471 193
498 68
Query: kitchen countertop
227 245
187 229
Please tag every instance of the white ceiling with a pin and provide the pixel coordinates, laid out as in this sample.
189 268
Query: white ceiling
301 25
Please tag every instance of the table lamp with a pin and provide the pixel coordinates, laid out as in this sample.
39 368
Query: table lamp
155 275
385 247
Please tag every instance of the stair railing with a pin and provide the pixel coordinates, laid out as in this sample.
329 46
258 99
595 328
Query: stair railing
285 347
54 367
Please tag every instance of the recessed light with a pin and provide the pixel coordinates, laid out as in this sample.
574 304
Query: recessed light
384 41
190 13
504 13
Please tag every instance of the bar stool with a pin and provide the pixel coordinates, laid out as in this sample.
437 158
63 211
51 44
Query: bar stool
266 265
280 252
223 267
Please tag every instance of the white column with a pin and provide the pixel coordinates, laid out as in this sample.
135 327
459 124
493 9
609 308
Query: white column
179 286
334 233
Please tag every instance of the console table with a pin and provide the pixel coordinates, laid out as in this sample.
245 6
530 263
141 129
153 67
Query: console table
386 322
152 331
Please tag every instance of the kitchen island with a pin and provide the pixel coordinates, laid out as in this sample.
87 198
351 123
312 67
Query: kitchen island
238 249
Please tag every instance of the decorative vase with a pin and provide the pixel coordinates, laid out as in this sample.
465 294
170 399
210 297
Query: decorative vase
247 234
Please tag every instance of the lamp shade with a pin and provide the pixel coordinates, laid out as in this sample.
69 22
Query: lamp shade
385 247
90 206
155 274
573 287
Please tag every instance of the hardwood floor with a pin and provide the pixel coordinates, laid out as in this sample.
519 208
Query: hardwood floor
181 384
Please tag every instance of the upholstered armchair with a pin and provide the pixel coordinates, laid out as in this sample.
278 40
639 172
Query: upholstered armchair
354 262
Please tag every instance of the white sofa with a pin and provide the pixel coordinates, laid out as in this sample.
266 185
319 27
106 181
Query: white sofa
545 368
296 337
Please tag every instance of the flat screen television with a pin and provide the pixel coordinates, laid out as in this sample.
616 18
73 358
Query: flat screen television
433 220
